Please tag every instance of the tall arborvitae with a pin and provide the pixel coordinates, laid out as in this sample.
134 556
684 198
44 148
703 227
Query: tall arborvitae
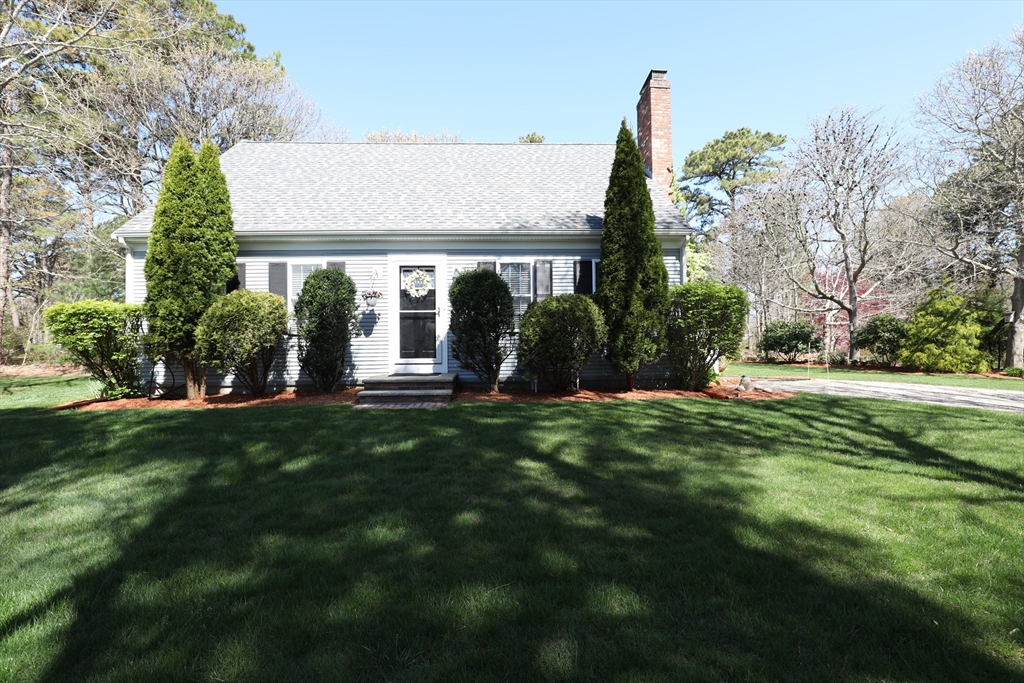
632 281
191 256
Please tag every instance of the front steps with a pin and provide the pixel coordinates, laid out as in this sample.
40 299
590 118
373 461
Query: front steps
407 391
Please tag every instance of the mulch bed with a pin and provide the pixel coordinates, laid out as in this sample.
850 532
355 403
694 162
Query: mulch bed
727 390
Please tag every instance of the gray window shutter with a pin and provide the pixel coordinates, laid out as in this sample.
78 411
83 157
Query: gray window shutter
241 275
279 279
583 277
489 265
542 271
337 265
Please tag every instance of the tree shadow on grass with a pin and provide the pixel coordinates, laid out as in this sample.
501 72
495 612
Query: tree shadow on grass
495 542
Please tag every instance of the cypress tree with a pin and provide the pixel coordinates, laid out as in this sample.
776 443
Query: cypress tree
633 282
191 256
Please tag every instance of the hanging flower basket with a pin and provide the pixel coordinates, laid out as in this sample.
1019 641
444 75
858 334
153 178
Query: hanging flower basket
370 296
418 283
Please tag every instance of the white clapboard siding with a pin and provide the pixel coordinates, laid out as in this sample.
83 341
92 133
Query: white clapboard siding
369 352
562 274
672 265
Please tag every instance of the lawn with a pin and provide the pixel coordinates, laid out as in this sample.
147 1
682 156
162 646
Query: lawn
815 538
797 370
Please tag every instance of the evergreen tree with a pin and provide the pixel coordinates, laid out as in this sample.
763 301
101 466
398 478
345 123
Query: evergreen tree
191 256
633 282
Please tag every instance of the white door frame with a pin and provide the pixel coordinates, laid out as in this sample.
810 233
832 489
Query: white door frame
439 363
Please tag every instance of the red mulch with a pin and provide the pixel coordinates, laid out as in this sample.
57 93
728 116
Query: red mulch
285 398
726 390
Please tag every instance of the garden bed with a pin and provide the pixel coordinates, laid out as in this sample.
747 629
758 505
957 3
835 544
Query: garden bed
465 394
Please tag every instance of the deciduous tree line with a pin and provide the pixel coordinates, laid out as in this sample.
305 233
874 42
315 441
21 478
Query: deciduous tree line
92 95
858 217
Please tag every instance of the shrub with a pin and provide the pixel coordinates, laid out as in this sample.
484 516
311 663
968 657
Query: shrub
1014 372
632 288
943 336
706 321
240 332
989 306
833 358
482 323
104 337
325 319
882 336
191 256
558 336
789 339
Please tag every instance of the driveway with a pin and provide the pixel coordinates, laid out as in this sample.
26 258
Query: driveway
960 397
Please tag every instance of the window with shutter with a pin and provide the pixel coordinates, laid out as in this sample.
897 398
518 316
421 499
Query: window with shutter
279 279
337 265
487 265
517 275
300 271
585 276
542 276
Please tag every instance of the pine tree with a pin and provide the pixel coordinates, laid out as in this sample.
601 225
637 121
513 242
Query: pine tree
633 282
191 256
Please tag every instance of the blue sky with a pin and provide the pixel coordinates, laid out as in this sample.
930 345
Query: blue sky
571 71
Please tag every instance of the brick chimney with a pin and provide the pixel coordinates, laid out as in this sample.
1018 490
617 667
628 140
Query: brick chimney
654 129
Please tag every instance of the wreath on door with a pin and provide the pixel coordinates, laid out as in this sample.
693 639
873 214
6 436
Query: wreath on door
418 283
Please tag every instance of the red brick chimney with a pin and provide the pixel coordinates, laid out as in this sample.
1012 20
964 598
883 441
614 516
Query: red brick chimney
654 129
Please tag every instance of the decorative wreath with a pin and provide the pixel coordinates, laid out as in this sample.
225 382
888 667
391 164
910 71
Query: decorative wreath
418 283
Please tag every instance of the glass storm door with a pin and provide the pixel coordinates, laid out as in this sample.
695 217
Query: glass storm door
419 347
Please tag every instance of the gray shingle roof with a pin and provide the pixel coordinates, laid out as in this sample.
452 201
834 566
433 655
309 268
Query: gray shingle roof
379 187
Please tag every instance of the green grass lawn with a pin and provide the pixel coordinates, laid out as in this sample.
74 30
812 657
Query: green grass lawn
797 370
817 538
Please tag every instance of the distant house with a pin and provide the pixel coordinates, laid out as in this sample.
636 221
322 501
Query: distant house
380 212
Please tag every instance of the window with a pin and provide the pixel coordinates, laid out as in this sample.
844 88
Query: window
517 275
585 276
300 271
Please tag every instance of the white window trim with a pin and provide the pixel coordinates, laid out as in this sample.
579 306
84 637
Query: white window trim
531 262
322 262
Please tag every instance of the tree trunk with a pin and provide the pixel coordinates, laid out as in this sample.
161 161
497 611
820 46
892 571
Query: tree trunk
1015 347
6 173
195 379
15 318
631 381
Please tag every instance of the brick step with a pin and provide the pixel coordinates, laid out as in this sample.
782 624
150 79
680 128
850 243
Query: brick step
401 406
378 396
419 386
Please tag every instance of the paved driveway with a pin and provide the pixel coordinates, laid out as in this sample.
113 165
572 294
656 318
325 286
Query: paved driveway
961 397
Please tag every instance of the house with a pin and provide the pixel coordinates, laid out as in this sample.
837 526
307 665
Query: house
379 211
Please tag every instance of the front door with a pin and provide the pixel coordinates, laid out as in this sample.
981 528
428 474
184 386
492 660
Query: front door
421 293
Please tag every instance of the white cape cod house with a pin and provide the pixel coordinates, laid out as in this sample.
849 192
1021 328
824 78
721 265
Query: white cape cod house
379 211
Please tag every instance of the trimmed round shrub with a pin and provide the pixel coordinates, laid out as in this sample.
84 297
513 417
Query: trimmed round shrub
882 336
943 336
789 339
325 319
482 323
240 332
557 337
104 337
706 321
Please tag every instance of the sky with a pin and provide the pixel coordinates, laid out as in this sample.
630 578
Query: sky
571 71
